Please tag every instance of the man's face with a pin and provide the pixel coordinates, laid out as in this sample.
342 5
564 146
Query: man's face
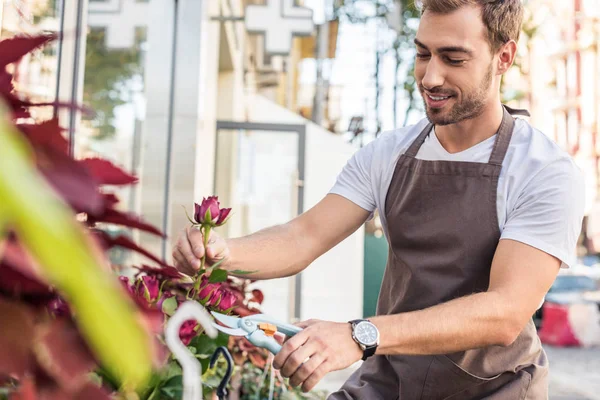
454 67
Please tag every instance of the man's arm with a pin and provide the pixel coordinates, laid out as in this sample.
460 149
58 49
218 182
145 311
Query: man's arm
520 277
278 251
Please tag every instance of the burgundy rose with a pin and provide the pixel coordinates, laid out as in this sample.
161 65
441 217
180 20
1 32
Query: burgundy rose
207 289
228 300
187 331
149 288
209 212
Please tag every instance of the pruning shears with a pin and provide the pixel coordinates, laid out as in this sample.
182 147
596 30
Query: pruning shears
259 329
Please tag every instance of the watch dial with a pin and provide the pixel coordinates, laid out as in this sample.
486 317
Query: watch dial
366 333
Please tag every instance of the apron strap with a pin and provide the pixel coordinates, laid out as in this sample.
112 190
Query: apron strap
416 144
504 134
502 140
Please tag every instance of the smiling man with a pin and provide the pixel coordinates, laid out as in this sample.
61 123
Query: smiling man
480 211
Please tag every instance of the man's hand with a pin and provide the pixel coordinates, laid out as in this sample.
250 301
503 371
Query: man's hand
320 348
189 249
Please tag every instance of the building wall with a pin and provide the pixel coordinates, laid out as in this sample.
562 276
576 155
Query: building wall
326 154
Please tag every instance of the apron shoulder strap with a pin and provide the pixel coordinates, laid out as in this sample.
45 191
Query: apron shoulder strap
504 134
502 140
416 144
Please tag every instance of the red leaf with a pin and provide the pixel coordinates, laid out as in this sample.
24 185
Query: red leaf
92 392
47 135
110 200
63 355
112 216
13 49
75 185
27 390
16 338
108 241
166 271
19 274
106 173
15 284
6 83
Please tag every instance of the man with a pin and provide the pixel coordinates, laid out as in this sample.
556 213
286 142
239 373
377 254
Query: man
480 211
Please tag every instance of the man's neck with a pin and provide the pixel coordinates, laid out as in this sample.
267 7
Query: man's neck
465 134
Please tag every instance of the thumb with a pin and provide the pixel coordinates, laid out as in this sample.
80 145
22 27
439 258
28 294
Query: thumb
216 248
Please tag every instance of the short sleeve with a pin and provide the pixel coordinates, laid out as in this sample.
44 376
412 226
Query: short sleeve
354 181
549 212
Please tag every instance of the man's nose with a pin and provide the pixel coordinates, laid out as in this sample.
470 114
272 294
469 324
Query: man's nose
434 76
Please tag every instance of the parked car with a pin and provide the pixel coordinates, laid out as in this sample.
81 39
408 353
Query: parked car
564 286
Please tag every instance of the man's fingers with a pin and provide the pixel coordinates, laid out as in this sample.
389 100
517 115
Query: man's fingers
182 263
315 377
195 244
306 369
184 248
288 348
298 357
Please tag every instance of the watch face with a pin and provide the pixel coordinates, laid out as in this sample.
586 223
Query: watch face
366 333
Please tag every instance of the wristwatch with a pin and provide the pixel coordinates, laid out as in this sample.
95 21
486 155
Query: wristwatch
366 335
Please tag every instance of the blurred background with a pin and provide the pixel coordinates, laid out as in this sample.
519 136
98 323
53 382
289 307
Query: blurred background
263 102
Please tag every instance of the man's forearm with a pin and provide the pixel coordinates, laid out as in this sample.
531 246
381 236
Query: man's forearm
274 252
474 321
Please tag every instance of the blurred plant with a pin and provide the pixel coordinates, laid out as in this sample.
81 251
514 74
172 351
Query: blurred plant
70 330
61 307
64 312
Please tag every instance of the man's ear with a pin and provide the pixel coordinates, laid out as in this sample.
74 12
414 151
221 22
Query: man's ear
506 56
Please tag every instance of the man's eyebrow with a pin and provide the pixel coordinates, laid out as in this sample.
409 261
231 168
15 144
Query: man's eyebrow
446 49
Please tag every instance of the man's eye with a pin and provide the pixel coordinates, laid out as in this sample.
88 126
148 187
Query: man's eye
452 61
419 55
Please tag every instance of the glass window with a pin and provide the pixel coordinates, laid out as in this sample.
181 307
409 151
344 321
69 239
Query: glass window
113 87
36 75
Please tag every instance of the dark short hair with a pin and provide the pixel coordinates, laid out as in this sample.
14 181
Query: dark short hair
502 18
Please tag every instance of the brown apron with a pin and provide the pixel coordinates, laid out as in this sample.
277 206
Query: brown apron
443 232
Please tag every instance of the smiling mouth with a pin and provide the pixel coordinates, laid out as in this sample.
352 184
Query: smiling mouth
438 98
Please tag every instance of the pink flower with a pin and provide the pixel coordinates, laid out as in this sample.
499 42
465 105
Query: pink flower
187 331
149 288
228 300
206 289
209 212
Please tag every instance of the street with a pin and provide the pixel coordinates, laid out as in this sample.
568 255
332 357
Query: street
574 373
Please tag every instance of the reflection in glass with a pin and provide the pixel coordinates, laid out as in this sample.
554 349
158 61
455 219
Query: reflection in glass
113 87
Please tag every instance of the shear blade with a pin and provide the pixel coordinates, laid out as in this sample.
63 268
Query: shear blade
230 331
232 322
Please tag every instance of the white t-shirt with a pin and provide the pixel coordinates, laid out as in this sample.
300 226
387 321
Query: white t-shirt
540 196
